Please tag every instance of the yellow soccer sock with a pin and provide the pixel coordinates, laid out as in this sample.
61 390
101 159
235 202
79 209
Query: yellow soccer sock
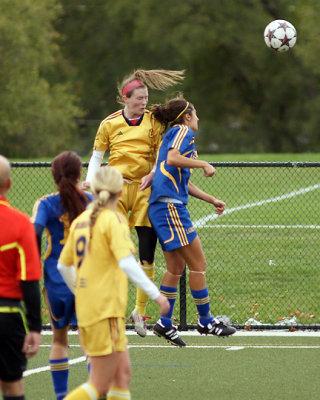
116 393
142 298
83 392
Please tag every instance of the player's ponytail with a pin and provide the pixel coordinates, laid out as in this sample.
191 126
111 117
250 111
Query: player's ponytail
173 111
106 184
66 172
159 79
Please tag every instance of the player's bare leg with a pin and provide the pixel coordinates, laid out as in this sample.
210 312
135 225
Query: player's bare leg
169 286
103 369
194 257
59 363
121 383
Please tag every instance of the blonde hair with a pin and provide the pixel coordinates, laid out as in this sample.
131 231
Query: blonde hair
106 184
158 79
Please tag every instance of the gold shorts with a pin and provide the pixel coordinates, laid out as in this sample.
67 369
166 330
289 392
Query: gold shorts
105 337
135 202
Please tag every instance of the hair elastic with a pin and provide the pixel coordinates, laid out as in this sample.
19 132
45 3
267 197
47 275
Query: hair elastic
183 111
131 86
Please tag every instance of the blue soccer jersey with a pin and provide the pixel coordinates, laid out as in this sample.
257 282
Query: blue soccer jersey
168 180
48 212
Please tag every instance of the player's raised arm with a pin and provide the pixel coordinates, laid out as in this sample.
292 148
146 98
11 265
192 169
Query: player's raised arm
201 195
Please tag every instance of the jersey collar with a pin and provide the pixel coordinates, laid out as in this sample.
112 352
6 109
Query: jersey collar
128 121
4 201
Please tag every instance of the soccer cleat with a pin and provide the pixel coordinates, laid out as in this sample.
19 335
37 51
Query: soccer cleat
169 333
139 323
216 327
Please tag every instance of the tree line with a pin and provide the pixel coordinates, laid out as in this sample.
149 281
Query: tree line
61 61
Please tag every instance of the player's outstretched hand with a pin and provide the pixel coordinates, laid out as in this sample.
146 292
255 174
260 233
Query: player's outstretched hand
31 343
208 170
146 181
163 304
84 185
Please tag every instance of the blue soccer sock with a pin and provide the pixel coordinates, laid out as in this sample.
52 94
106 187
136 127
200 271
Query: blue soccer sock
171 294
60 373
201 299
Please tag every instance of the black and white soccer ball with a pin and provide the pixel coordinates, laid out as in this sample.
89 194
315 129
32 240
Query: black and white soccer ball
280 35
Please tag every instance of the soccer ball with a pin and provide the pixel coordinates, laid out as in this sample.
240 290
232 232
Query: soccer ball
280 35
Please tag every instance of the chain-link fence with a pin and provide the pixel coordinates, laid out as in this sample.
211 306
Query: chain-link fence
262 254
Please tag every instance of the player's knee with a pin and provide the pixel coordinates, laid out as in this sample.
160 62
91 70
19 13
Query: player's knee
60 341
123 379
145 261
175 274
123 376
146 256
176 269
179 268
199 267
147 244
198 272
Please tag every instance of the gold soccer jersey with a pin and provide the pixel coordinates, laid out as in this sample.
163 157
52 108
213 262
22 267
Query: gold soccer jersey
102 287
132 147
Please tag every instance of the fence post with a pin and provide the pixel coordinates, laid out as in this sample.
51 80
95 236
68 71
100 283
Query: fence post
183 302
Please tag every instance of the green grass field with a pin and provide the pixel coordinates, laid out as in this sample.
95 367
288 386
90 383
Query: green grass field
262 254
240 367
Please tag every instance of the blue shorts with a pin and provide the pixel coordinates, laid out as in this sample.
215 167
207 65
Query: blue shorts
172 224
61 307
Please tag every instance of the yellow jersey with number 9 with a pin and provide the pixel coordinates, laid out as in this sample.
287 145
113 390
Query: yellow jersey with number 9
102 287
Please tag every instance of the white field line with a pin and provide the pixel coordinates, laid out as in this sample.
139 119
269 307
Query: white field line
141 346
229 347
264 226
267 332
47 367
200 223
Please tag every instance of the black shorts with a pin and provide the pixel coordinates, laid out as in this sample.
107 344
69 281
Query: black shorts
12 334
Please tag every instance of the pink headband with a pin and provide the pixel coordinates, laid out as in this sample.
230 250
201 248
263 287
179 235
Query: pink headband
131 86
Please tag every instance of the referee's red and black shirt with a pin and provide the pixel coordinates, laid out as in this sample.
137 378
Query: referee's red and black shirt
19 254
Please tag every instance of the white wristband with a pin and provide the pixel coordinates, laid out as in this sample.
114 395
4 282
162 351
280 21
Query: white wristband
94 164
